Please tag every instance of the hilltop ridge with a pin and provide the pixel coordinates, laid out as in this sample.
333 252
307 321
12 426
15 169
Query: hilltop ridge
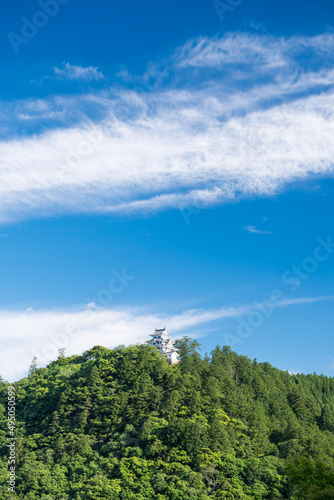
125 424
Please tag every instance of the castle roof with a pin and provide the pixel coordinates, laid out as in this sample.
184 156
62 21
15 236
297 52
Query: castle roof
159 331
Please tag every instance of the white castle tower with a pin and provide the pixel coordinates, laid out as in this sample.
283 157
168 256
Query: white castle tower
162 341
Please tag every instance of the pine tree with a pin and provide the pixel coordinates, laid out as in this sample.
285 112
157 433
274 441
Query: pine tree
33 366
61 352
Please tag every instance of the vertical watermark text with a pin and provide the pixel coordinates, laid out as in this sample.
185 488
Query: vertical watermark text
12 440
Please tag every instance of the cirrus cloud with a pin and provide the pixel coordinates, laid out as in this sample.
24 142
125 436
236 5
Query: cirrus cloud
227 125
72 72
41 333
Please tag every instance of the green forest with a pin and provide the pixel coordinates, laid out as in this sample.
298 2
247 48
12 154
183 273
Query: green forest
124 424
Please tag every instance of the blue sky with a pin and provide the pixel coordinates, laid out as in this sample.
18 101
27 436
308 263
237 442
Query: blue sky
161 166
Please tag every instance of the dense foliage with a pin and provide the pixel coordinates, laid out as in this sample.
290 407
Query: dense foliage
123 424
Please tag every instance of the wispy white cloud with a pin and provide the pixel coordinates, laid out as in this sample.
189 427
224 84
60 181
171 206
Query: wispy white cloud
247 120
304 300
25 334
235 49
182 157
253 229
253 49
29 333
71 72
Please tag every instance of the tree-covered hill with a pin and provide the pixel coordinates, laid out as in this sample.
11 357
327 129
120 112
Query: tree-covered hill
124 424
